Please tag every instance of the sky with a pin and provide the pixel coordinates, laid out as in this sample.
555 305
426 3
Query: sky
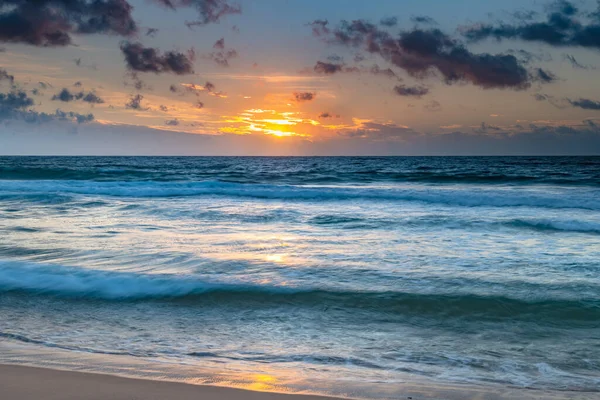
299 77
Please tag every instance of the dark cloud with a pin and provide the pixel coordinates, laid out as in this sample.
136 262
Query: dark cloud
544 76
486 128
389 21
423 19
15 106
53 22
147 59
325 115
65 95
172 122
209 86
304 96
209 11
163 108
387 72
421 52
135 103
73 116
222 57
556 102
219 44
92 98
173 88
15 100
5 76
199 104
576 63
586 104
327 68
151 32
320 27
411 91
562 26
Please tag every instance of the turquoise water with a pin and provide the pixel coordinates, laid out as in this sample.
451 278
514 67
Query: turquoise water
479 270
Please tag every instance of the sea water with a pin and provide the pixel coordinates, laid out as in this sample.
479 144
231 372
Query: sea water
478 270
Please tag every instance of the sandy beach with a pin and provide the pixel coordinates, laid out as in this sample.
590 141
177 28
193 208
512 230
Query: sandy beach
29 383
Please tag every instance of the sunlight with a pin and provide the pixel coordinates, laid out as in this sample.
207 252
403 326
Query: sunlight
268 122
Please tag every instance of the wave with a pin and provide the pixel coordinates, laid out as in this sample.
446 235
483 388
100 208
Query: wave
556 226
324 170
78 283
453 195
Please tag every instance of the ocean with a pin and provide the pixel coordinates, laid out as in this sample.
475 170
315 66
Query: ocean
309 272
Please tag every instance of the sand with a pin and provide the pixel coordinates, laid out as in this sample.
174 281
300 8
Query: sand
30 383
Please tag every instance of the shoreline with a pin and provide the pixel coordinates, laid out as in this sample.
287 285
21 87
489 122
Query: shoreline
27 381
31 372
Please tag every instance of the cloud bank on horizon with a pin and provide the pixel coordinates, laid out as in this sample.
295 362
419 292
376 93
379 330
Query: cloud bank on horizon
303 77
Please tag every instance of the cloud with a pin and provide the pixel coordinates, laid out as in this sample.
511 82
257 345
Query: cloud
561 27
5 76
486 128
65 95
15 105
15 100
151 32
209 11
433 106
172 122
422 19
586 104
327 68
92 98
208 87
53 22
304 96
389 21
222 56
387 72
576 63
219 44
319 27
411 91
327 115
544 76
421 51
135 103
147 59
375 131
